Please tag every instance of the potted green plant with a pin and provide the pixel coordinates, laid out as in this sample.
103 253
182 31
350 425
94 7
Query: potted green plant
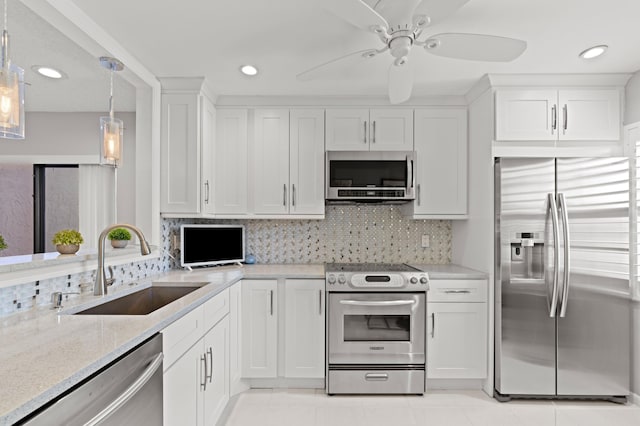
67 241
3 243
119 237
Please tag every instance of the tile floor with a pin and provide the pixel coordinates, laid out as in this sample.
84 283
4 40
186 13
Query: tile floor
289 407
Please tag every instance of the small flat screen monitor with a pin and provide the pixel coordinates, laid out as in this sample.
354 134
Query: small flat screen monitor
207 245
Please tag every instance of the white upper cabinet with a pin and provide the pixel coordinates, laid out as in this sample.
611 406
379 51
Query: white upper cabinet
208 132
180 153
563 115
382 129
441 170
270 151
288 162
231 184
306 162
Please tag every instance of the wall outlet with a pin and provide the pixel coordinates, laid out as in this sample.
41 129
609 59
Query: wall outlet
175 241
425 240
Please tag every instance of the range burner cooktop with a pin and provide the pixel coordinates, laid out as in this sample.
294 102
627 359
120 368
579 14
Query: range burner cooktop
374 277
369 267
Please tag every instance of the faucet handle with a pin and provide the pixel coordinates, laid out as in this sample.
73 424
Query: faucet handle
56 298
109 281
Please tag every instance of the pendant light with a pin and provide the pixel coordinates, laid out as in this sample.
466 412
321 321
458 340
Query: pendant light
111 128
11 91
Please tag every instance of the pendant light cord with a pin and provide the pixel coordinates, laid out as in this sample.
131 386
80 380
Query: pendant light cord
111 115
5 14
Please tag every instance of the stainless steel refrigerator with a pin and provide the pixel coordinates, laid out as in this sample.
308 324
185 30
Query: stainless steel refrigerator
562 311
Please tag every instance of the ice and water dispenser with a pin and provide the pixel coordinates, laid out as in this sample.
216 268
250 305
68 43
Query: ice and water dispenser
527 256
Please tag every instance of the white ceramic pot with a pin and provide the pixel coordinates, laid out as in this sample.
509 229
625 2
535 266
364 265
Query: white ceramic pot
67 248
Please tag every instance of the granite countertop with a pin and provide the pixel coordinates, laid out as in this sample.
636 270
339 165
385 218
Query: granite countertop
44 353
451 271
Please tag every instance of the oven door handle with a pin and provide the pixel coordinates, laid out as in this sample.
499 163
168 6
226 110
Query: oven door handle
378 303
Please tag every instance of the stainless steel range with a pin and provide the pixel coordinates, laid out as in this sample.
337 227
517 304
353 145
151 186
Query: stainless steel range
375 328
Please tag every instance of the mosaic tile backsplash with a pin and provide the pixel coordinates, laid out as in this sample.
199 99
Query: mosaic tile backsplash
361 233
379 234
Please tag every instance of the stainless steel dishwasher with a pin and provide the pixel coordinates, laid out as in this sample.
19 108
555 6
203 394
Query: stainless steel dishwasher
126 392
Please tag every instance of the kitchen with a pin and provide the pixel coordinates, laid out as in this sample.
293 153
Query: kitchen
451 241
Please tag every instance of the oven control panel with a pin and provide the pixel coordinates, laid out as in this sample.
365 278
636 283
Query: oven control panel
377 281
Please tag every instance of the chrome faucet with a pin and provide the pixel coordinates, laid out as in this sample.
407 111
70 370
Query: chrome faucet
100 286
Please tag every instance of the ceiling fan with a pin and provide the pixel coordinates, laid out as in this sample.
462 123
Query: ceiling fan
400 24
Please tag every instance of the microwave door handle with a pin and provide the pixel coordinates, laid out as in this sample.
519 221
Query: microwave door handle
410 178
377 302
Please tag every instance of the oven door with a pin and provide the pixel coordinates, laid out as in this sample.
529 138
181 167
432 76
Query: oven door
376 328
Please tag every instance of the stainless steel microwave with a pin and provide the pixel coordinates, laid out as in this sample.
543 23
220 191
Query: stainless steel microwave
370 176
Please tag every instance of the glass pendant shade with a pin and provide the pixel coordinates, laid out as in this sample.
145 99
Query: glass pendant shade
111 130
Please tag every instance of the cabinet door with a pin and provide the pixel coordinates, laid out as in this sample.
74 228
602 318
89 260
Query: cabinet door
391 130
306 161
456 340
441 169
259 328
231 162
181 389
589 114
207 132
304 328
347 129
270 153
180 154
527 115
216 395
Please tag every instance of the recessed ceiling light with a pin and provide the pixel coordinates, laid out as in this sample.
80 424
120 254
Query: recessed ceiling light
249 70
593 52
48 72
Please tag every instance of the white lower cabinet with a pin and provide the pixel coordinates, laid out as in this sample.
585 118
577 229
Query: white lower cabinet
300 323
196 368
457 329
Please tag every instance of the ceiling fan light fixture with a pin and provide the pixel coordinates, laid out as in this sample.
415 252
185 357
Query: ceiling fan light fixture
249 70
49 72
593 52
421 21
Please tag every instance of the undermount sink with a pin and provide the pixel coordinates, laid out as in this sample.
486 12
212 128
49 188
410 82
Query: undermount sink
141 302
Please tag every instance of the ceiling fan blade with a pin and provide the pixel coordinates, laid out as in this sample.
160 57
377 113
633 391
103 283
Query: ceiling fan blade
355 12
400 82
437 10
338 65
475 47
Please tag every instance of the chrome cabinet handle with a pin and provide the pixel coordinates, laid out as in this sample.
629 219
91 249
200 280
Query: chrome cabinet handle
457 291
562 205
210 353
378 303
376 377
418 194
206 192
373 133
129 393
320 302
284 194
554 118
271 301
553 306
365 132
293 194
203 359
433 325
565 118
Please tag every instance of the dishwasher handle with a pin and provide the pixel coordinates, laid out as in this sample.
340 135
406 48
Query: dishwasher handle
378 303
128 393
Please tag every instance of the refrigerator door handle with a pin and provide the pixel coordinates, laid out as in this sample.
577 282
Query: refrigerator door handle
562 205
553 305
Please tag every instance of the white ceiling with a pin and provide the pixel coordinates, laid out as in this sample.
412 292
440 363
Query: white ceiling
285 37
33 41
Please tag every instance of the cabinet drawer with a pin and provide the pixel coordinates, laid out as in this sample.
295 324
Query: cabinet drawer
215 309
178 337
457 291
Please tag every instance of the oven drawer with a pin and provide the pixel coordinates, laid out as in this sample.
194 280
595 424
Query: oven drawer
457 291
376 381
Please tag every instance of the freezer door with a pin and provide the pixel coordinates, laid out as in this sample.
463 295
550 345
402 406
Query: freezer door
594 307
525 327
